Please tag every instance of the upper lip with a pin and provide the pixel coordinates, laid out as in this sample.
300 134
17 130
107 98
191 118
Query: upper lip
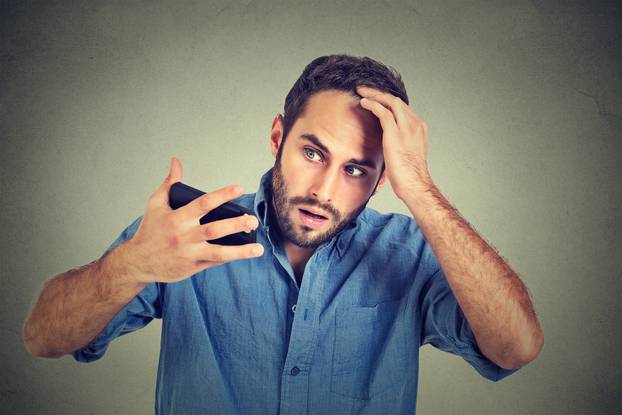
315 212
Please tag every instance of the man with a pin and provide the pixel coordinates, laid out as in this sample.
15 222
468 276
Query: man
328 316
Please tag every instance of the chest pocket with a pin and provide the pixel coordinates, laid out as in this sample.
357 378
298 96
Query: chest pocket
369 353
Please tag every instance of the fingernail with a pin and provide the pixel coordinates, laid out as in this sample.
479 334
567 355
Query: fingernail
258 249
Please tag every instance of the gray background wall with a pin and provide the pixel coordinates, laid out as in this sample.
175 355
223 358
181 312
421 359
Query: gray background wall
523 102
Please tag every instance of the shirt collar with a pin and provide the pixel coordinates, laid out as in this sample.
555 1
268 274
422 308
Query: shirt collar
262 197
262 204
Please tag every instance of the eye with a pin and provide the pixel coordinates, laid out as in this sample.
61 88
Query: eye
310 150
362 173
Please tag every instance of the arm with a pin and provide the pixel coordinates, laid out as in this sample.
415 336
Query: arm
495 302
168 246
59 324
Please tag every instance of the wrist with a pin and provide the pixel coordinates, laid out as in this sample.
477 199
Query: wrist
421 201
418 190
127 262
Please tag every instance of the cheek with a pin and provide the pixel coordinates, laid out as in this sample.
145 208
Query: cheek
298 175
294 180
350 204
350 198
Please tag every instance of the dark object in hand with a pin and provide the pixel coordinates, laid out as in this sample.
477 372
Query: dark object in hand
182 194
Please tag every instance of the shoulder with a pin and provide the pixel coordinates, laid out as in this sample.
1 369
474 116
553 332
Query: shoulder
395 232
398 227
246 200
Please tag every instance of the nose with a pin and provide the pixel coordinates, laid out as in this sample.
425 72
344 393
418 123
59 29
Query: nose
325 186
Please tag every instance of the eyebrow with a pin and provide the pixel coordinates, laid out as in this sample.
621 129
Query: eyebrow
313 139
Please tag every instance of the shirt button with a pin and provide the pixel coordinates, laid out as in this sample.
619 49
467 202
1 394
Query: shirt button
295 370
294 308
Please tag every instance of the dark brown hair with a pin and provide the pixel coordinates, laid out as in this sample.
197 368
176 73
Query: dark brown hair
341 72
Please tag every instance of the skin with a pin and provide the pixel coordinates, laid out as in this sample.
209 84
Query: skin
305 176
493 298
381 126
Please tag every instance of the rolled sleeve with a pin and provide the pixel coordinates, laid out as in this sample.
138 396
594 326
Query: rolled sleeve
143 308
446 328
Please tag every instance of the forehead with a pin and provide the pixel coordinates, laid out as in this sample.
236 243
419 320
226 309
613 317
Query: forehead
337 118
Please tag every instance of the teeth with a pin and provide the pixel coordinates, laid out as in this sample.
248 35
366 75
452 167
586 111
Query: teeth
313 214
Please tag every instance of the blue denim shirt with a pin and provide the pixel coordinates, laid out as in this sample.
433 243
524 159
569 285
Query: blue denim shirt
244 338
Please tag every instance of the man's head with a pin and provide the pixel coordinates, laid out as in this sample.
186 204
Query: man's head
333 161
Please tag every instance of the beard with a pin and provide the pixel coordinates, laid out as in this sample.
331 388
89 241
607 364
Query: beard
282 207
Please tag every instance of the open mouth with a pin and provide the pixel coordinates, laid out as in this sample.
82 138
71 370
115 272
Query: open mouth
306 212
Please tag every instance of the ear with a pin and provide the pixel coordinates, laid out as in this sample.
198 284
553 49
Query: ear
276 134
383 179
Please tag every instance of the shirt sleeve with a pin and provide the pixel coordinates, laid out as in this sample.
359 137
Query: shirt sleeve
446 328
139 312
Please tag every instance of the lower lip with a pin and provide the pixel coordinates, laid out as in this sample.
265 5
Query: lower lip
310 221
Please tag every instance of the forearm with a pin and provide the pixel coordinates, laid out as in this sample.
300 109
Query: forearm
492 297
75 306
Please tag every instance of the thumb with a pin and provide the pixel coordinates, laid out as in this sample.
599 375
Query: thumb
175 174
